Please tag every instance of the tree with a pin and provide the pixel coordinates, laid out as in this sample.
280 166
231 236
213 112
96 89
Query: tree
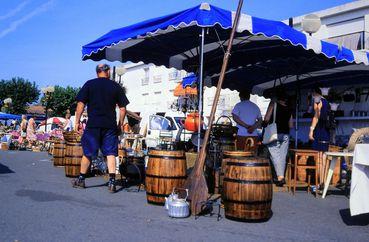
62 99
21 91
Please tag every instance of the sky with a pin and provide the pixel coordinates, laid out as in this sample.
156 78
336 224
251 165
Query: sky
41 40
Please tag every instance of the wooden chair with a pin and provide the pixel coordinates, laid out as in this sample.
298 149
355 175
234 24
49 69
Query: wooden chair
295 164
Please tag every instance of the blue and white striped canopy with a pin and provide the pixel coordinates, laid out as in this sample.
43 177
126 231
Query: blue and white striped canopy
173 41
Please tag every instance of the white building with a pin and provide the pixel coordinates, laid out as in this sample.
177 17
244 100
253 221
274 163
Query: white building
346 25
150 90
149 87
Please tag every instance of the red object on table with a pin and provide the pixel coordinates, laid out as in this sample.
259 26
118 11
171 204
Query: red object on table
192 122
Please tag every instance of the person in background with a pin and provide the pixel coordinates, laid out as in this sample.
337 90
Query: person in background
23 129
83 122
31 131
319 132
279 149
101 95
247 115
68 124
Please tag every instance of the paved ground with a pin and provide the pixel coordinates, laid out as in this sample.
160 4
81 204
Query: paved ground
38 204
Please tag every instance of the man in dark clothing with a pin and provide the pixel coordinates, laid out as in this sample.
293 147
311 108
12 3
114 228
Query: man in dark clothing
101 95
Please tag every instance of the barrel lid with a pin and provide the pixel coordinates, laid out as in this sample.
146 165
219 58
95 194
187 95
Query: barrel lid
238 153
170 153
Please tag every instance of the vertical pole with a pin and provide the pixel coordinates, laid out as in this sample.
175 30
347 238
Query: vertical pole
297 111
46 108
290 22
201 87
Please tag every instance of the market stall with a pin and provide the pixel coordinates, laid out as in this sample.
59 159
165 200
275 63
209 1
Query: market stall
264 51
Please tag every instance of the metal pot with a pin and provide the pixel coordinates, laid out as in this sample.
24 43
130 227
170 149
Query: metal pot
170 199
178 208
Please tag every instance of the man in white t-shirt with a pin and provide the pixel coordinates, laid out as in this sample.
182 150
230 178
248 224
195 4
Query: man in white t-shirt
247 115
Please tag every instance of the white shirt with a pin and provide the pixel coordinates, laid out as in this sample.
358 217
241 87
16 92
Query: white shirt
248 112
69 125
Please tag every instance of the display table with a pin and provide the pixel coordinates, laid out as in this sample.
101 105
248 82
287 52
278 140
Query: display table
332 165
359 194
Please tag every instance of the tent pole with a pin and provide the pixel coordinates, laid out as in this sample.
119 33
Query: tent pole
201 87
297 112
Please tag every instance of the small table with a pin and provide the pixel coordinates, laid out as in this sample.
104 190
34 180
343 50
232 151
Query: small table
332 165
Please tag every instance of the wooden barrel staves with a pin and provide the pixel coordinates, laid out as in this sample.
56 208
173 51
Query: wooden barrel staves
165 170
73 156
59 152
247 187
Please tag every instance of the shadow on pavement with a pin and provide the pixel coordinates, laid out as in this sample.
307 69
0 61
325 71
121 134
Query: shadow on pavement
44 196
359 220
5 169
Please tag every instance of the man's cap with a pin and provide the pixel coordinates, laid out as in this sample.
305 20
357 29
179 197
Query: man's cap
102 67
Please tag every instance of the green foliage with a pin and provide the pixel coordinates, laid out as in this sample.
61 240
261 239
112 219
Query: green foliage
21 91
61 100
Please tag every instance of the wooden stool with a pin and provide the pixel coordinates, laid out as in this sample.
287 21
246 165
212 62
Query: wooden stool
332 165
293 163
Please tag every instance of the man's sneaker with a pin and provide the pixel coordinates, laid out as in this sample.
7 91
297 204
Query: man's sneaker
111 186
78 183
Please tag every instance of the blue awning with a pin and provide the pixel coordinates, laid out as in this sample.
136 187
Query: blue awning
189 81
263 50
6 116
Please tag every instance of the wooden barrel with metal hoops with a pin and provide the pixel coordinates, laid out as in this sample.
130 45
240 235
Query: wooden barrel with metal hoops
165 170
73 156
226 154
247 187
59 152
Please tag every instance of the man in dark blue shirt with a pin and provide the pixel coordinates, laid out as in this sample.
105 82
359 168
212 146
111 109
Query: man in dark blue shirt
101 95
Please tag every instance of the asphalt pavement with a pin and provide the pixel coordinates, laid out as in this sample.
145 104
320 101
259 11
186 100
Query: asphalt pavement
37 203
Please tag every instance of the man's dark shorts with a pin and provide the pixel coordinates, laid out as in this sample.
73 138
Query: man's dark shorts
105 139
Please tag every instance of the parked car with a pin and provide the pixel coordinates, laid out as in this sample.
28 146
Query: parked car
165 129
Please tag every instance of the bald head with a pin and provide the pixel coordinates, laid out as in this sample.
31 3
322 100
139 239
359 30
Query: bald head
103 71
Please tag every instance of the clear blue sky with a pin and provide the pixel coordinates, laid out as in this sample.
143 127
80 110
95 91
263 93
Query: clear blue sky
41 40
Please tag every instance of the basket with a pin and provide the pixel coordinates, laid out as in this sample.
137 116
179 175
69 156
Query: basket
72 136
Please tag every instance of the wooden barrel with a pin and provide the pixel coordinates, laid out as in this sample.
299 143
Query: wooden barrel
226 154
4 146
73 156
247 187
51 147
165 170
59 152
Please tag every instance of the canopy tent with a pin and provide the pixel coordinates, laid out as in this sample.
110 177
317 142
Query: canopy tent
263 50
172 41
339 76
7 116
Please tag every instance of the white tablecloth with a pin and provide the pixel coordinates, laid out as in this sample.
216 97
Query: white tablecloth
359 195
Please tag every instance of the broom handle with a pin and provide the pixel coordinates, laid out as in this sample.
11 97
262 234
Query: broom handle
219 87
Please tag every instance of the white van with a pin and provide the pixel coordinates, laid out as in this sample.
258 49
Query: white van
164 128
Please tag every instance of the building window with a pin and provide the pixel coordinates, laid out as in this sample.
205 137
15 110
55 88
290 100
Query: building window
174 75
145 80
157 79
